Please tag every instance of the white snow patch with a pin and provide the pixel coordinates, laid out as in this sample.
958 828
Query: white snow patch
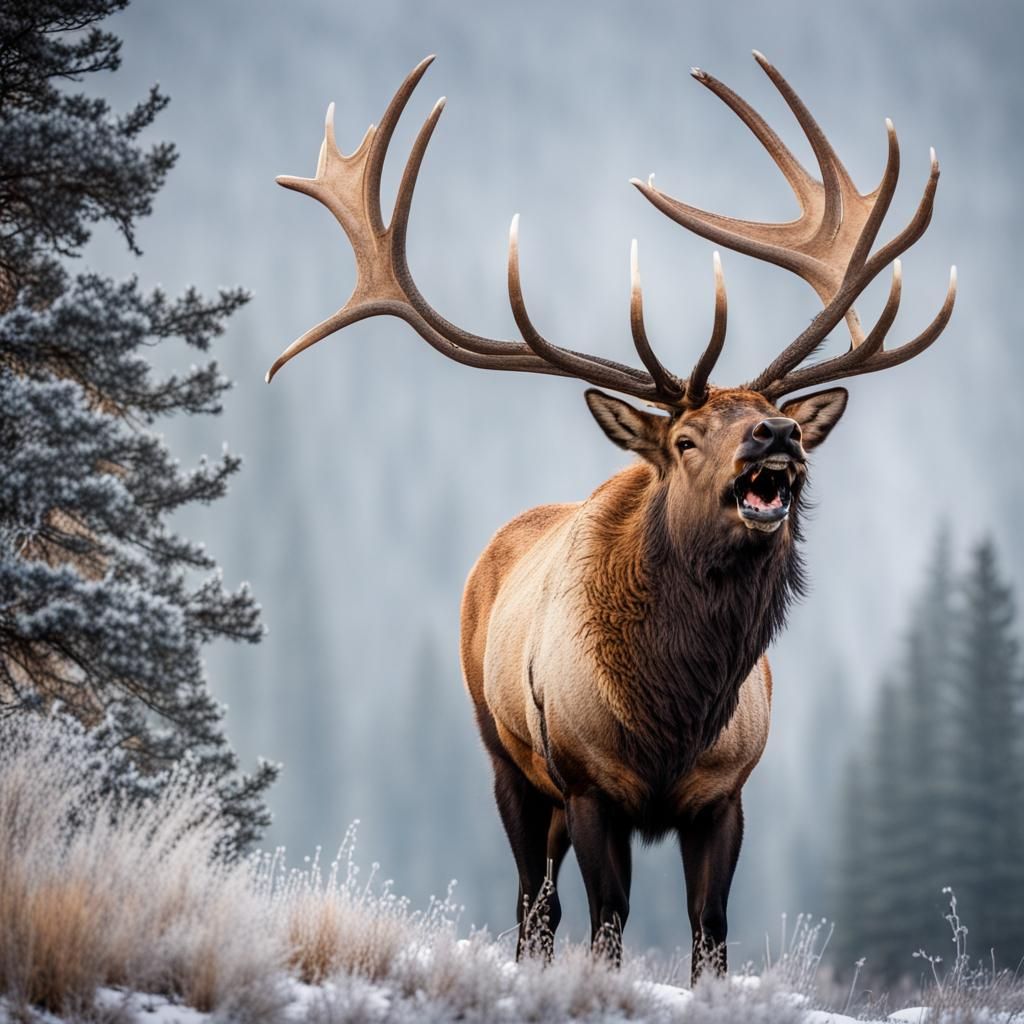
151 1009
672 996
828 1017
911 1015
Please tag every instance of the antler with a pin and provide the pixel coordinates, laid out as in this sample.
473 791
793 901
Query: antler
828 245
349 186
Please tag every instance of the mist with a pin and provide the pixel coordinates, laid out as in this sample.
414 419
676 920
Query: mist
376 471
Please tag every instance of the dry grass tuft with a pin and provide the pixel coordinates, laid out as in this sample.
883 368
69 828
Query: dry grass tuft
50 955
342 924
93 893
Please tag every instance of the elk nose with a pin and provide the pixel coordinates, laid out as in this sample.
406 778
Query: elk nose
776 433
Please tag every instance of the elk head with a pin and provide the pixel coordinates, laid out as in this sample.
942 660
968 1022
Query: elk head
735 462
734 456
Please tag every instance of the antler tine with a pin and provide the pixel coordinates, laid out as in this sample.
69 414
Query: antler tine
835 180
382 138
820 372
854 284
859 361
804 186
885 359
697 383
604 374
876 339
915 228
666 382
881 200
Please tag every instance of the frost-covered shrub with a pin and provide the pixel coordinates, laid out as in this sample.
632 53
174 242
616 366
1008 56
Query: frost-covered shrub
967 989
344 922
98 890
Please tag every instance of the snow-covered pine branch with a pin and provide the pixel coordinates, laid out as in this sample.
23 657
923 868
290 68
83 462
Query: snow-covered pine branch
103 609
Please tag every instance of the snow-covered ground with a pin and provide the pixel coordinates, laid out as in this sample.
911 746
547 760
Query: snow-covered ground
121 914
357 1000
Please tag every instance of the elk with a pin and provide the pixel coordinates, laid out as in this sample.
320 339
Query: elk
614 648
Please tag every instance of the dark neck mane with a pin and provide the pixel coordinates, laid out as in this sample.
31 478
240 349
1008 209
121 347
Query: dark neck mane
678 622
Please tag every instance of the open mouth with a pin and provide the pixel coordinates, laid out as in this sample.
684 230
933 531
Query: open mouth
764 492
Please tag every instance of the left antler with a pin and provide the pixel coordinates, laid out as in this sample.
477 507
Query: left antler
349 186
828 245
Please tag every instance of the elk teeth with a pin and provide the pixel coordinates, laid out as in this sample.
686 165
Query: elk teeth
753 524
781 463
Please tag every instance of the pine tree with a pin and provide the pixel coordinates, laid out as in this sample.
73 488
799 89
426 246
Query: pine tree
833 727
103 610
929 685
888 892
987 801
889 785
937 799
851 882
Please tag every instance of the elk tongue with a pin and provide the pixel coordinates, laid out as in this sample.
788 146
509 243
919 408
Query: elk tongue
754 500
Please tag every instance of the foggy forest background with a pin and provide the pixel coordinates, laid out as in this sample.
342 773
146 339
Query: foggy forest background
376 470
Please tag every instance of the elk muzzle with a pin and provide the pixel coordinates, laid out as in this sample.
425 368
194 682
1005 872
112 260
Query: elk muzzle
769 461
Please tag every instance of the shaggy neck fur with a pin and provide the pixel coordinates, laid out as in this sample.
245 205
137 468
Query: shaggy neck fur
676 623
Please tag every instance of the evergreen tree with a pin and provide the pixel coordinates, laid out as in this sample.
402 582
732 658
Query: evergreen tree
833 728
851 882
987 803
887 942
103 610
937 799
928 690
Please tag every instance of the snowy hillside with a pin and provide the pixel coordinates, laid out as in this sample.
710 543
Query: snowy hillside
102 899
356 1000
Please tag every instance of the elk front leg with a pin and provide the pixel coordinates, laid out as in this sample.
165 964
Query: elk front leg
558 842
710 844
527 816
600 836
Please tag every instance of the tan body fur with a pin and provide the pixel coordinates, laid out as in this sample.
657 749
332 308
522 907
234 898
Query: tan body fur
524 603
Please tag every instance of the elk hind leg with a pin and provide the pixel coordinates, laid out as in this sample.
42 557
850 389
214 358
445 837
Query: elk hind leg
710 844
526 814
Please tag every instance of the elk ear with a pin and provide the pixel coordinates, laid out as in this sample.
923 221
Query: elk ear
817 414
632 429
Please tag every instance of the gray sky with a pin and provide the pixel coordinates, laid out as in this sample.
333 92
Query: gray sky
376 470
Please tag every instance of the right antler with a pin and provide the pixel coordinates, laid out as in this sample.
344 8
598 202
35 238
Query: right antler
828 245
349 186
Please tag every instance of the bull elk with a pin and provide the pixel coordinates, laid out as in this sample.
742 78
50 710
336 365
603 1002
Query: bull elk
614 648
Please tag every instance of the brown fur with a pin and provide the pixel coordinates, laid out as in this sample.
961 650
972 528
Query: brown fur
614 651
633 629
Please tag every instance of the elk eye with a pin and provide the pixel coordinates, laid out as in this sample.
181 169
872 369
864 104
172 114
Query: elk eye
684 444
